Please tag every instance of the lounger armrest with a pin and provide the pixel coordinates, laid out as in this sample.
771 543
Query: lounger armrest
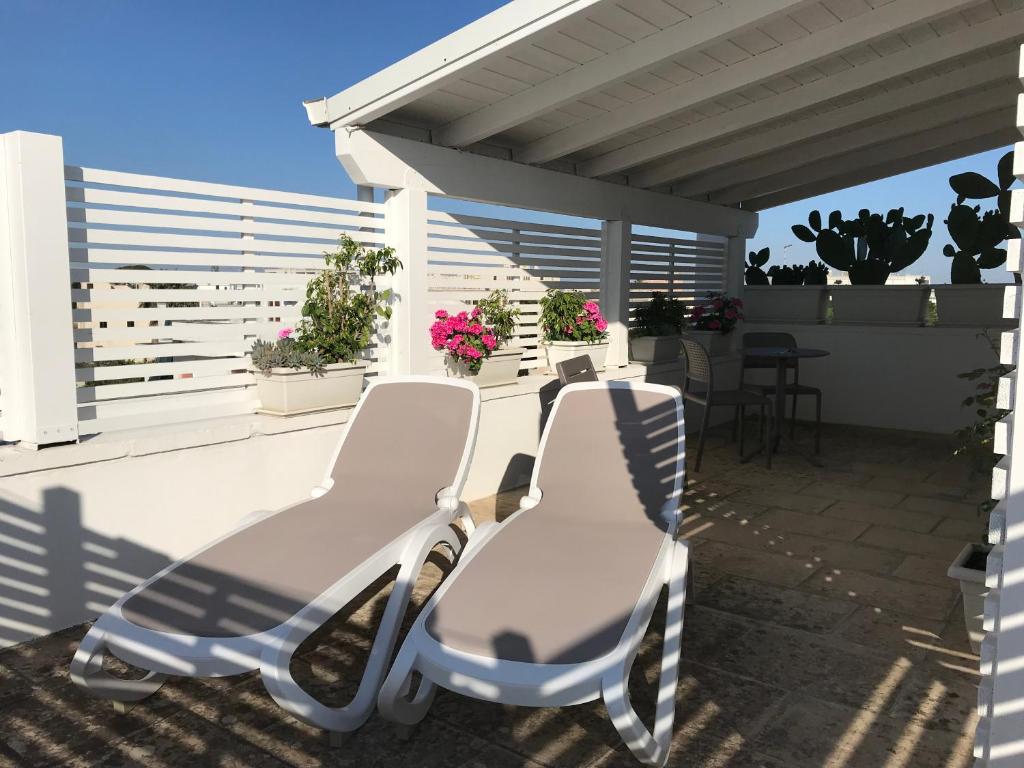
672 513
321 489
531 500
448 501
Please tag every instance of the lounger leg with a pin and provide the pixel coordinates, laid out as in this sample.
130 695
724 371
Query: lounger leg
653 748
276 659
700 441
395 703
87 672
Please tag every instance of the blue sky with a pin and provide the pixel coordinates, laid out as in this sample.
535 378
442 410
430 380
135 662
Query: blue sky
213 90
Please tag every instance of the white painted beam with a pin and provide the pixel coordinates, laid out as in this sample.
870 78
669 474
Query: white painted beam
774 63
391 162
441 62
710 168
705 29
865 76
909 131
872 172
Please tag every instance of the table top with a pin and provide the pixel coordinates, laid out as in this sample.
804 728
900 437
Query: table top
784 353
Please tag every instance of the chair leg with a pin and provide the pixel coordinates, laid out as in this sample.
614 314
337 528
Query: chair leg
743 426
735 423
766 438
792 419
703 433
817 422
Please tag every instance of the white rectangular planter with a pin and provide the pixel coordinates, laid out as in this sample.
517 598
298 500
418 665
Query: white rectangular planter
654 349
502 367
882 304
974 591
717 344
784 303
287 391
560 351
978 305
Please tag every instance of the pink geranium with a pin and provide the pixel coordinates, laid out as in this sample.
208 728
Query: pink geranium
719 312
285 333
462 337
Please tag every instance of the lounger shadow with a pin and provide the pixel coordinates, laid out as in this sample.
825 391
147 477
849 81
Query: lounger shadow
248 600
598 531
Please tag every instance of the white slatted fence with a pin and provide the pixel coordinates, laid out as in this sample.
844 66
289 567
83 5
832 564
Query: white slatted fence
680 268
172 280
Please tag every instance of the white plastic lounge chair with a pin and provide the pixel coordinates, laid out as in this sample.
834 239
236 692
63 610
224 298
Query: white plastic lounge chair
250 598
549 607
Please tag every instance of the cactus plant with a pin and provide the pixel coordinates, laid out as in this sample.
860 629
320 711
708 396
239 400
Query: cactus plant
815 273
870 247
787 275
975 236
754 275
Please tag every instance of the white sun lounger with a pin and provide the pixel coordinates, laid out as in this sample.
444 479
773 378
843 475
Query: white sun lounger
250 598
549 607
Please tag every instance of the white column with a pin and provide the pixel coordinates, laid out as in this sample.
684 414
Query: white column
36 339
405 222
735 259
616 248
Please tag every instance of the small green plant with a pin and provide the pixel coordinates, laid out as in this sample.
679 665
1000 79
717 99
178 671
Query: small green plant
661 316
754 275
570 316
788 275
343 303
285 352
870 247
975 440
978 237
815 273
499 313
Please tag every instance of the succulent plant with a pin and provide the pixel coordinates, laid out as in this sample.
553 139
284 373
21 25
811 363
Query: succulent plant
787 275
754 275
285 353
870 247
816 273
977 237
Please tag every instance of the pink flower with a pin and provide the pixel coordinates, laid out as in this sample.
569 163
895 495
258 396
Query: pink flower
285 333
714 325
730 314
440 314
489 341
738 303
717 303
476 312
476 329
698 311
591 307
602 325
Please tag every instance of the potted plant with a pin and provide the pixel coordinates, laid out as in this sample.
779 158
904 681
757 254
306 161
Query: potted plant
786 298
572 325
976 246
657 331
714 321
316 366
869 249
975 443
474 341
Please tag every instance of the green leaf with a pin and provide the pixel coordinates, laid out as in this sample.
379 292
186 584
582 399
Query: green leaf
973 186
814 219
803 233
1005 171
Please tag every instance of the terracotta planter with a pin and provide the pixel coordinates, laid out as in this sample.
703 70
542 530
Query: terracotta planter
717 344
978 305
287 391
973 589
784 303
879 304
655 349
502 367
560 351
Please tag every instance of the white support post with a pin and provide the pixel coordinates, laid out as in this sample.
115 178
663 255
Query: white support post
735 258
35 292
616 250
406 228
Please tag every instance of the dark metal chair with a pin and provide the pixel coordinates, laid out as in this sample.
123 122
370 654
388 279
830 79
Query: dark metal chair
793 389
698 369
575 370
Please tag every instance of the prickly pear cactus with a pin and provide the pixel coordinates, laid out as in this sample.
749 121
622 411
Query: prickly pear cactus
754 275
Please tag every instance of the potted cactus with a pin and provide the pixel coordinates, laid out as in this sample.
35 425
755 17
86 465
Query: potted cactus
869 248
658 328
795 293
317 365
977 239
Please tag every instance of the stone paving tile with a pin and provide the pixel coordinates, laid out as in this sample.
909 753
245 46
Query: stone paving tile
939 695
911 542
895 471
963 530
764 566
841 492
898 596
771 479
927 570
785 499
925 489
834 554
876 627
893 517
961 510
813 525
813 733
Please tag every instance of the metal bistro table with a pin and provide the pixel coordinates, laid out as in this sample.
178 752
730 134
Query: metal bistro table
782 357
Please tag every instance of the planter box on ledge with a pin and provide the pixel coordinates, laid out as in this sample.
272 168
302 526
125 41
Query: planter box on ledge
287 392
502 367
969 569
717 344
560 351
978 305
879 304
784 303
655 349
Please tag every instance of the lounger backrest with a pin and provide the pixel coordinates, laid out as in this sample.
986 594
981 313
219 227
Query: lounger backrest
612 451
418 430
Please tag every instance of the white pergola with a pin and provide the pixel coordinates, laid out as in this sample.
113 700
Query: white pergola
694 115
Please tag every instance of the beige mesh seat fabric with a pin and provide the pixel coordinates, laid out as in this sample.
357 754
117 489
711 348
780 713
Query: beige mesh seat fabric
549 607
249 599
